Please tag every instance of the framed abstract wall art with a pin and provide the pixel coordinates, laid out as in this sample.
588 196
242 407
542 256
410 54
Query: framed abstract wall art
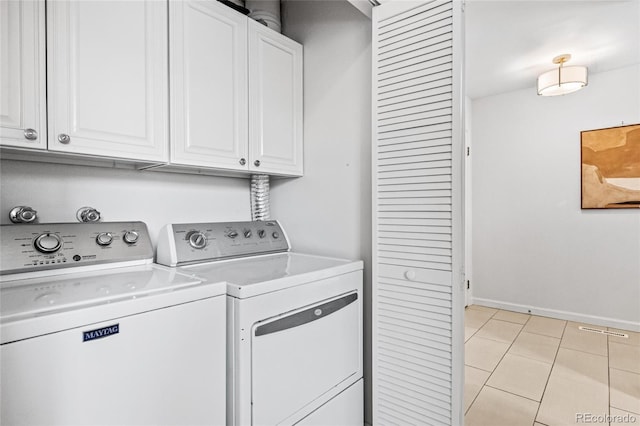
611 167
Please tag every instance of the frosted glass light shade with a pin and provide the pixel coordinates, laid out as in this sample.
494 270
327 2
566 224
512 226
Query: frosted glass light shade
562 81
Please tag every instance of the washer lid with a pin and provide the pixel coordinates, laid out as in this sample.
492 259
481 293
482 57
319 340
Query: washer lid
252 276
94 296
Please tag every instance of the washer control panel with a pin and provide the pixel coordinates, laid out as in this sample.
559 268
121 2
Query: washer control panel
35 247
186 243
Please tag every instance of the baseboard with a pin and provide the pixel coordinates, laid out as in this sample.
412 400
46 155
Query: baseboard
553 313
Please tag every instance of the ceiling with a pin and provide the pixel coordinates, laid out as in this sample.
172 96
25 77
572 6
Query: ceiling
510 42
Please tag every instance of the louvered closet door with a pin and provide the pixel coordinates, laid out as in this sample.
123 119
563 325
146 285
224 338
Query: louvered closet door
417 188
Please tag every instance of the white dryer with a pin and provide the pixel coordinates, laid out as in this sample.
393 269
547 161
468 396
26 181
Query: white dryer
92 332
294 322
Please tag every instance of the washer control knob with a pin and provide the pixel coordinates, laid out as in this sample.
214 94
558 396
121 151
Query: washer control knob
198 240
48 243
275 235
130 237
247 233
261 233
104 238
232 234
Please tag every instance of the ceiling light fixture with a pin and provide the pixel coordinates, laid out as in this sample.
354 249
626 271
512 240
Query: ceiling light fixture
563 80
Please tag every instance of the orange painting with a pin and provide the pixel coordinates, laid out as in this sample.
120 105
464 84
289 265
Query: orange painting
611 168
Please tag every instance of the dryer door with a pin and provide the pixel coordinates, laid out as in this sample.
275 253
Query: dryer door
302 355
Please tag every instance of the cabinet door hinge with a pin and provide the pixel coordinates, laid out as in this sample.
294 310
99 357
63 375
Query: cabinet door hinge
468 285
468 151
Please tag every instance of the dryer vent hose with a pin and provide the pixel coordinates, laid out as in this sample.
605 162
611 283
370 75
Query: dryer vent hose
260 197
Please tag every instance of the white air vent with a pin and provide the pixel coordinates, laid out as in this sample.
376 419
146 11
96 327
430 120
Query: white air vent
607 332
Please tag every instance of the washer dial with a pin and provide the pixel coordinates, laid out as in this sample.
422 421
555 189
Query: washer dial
104 238
48 243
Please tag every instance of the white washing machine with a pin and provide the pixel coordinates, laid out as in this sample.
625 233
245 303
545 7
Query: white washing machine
294 322
92 332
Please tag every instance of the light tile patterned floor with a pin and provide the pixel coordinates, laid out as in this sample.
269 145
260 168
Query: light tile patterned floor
529 370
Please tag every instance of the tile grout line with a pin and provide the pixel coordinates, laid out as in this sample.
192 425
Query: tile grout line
501 358
478 329
514 394
490 372
625 369
612 368
500 341
535 419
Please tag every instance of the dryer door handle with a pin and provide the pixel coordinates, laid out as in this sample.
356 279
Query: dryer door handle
306 316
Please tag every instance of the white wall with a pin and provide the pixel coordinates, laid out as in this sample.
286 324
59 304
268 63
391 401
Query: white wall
156 198
328 211
533 247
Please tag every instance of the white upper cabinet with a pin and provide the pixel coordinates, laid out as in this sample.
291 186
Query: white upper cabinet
22 74
235 92
275 102
208 68
108 78
184 83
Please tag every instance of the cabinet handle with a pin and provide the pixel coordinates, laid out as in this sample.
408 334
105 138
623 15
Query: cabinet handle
30 134
243 161
257 163
64 138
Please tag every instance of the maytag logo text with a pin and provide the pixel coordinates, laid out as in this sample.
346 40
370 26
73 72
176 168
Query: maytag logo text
100 332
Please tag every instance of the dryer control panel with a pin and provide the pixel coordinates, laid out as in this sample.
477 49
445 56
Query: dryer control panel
186 243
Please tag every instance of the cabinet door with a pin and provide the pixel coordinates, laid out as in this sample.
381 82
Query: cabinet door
108 78
22 74
275 99
208 63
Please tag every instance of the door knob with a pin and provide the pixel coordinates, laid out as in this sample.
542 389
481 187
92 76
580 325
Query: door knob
410 275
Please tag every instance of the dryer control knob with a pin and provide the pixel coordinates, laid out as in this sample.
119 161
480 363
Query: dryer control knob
262 233
130 237
198 240
247 233
275 235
